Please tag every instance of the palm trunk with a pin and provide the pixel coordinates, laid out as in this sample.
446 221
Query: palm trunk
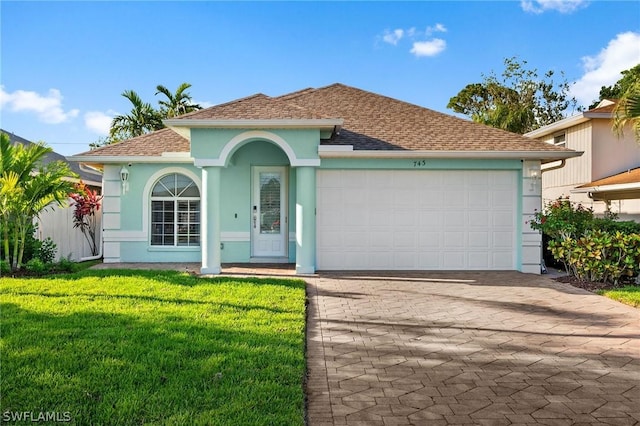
23 240
14 258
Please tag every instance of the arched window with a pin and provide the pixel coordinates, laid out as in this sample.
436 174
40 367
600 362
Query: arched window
175 212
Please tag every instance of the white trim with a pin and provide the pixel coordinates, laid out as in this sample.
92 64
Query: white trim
306 163
607 188
243 137
319 123
146 195
114 236
183 154
336 148
565 123
520 155
114 159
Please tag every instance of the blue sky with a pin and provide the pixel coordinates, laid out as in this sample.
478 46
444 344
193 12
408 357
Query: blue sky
65 64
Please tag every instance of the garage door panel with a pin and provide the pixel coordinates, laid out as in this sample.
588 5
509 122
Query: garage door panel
479 260
454 239
503 219
479 240
479 219
454 199
429 240
427 219
479 198
403 240
430 219
454 260
404 218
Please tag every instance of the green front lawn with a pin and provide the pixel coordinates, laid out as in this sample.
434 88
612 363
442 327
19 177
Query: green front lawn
629 295
136 347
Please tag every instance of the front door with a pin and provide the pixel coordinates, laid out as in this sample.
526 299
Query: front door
269 212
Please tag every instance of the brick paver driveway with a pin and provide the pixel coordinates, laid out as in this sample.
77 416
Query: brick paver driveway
469 348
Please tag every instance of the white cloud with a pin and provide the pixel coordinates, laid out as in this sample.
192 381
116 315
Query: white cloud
437 28
429 47
603 69
562 6
393 37
99 122
47 107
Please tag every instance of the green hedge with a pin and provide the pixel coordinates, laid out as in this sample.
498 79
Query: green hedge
590 248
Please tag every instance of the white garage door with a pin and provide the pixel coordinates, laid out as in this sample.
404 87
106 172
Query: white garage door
416 220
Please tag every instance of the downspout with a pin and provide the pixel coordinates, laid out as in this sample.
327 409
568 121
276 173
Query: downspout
97 256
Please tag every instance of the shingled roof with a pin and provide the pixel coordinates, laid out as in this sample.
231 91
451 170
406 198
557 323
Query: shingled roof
371 122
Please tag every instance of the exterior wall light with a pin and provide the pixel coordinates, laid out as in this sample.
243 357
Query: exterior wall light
534 175
124 178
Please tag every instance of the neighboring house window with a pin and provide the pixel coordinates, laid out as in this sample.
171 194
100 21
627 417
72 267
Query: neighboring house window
560 140
175 212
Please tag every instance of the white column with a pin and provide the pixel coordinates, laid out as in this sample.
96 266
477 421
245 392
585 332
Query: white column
210 220
531 240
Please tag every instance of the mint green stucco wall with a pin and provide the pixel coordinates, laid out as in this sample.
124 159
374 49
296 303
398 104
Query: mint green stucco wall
235 207
209 143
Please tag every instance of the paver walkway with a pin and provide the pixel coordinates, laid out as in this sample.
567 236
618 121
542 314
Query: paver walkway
468 348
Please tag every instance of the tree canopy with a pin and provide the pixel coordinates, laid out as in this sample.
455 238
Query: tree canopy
617 90
627 110
518 100
144 118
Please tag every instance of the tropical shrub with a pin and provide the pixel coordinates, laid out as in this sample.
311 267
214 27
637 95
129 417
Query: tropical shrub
591 249
46 250
36 266
86 205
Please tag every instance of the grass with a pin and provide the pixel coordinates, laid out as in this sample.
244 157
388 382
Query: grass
629 295
154 347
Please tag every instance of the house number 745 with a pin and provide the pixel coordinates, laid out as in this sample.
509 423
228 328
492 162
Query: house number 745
419 163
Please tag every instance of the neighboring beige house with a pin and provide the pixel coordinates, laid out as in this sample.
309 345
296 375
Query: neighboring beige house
606 176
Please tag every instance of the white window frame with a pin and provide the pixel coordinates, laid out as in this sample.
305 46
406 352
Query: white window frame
175 200
563 142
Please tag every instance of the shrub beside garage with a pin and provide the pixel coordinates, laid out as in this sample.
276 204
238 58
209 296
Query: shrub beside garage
590 248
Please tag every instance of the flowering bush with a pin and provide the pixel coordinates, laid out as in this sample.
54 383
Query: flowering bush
87 204
591 249
560 219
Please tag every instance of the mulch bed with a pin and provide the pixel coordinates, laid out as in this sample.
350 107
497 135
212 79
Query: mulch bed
594 286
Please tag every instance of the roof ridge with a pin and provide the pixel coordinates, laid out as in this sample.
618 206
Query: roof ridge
234 101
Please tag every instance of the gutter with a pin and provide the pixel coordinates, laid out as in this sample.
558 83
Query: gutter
563 163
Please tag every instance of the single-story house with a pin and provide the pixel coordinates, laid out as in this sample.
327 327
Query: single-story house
334 178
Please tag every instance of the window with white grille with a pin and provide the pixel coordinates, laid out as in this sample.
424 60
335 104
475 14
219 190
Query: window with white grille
175 212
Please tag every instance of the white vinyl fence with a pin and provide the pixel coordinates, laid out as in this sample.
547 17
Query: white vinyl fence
57 223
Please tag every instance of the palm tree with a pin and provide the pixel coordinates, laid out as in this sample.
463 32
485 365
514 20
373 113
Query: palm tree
26 189
627 111
178 103
142 118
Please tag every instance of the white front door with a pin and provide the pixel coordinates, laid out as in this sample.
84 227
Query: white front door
269 212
